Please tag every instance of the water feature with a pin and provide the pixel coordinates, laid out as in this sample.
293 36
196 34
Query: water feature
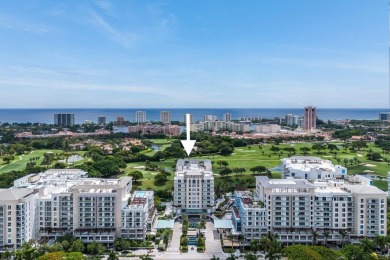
156 147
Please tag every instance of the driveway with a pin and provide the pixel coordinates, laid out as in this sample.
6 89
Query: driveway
174 244
213 243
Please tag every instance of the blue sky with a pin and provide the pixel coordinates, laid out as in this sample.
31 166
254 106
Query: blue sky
125 54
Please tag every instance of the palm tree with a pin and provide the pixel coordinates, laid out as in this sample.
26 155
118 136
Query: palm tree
255 246
214 258
241 238
314 235
326 236
275 250
343 235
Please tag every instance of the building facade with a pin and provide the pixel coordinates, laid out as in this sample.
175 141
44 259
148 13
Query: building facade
227 117
140 117
312 168
384 116
268 129
64 119
310 118
165 117
300 211
170 130
102 120
58 202
120 120
193 187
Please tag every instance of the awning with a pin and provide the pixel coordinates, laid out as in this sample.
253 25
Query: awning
223 223
162 224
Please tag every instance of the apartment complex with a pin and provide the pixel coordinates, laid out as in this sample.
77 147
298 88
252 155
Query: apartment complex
384 116
310 167
102 120
219 126
294 120
59 202
310 118
171 130
120 120
140 117
64 119
227 117
267 129
193 187
337 210
165 117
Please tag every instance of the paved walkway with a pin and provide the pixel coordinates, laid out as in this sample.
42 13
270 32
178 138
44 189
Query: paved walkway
213 243
174 244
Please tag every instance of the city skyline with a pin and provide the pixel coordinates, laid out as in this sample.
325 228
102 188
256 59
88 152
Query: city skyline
146 55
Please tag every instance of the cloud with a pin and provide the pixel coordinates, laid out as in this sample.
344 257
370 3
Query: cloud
106 7
20 24
125 39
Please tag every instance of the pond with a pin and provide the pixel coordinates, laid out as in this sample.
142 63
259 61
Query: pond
156 147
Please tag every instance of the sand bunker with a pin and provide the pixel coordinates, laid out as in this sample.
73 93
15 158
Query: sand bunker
139 167
369 165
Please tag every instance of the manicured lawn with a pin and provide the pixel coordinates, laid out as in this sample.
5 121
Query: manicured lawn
248 157
22 160
381 184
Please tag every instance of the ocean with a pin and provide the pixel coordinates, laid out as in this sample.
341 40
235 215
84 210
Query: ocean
47 115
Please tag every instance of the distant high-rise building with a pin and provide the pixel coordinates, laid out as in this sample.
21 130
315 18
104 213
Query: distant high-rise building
227 117
64 119
384 116
120 120
210 118
140 116
165 117
186 119
102 120
309 118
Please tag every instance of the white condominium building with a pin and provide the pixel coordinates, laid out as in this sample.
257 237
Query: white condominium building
220 126
138 215
311 168
17 210
58 202
294 209
193 187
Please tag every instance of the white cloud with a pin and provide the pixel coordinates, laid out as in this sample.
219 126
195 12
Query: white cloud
125 39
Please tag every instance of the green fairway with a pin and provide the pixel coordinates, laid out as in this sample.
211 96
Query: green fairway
248 157
21 161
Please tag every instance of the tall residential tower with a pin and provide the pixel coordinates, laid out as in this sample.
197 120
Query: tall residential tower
309 118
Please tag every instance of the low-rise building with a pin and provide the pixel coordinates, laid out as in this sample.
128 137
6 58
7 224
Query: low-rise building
310 167
171 130
267 129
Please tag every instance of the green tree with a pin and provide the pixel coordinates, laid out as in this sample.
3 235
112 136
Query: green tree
95 248
112 256
225 172
137 175
274 149
305 150
77 246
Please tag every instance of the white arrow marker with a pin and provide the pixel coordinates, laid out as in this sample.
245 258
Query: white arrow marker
188 144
